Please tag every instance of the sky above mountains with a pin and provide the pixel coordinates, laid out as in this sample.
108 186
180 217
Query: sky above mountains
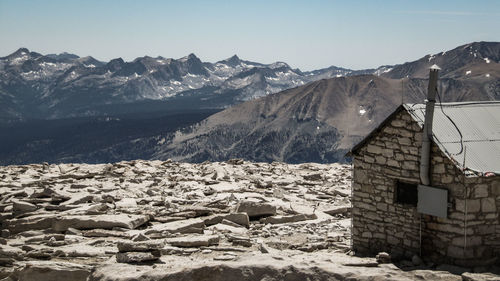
306 34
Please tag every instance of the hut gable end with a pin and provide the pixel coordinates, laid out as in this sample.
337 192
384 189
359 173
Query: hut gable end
387 162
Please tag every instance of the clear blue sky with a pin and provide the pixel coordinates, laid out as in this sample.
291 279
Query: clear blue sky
308 34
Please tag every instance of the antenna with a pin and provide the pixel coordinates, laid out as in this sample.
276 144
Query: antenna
402 90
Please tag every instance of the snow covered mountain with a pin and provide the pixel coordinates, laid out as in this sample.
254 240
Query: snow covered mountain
65 85
315 122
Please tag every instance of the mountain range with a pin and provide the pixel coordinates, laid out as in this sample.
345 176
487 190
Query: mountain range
35 86
273 112
321 121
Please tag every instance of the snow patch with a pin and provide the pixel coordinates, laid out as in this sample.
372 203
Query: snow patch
468 72
487 75
486 60
362 111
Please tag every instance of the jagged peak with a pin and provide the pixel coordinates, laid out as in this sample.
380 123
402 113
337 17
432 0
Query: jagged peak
189 57
278 64
117 60
21 51
231 61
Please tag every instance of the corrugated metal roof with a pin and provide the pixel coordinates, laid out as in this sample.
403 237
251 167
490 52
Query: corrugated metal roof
479 124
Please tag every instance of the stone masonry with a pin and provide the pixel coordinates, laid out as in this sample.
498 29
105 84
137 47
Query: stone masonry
469 236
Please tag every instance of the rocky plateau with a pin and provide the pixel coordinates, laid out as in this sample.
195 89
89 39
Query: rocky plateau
166 220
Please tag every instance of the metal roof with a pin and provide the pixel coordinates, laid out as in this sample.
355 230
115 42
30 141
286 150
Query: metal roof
479 125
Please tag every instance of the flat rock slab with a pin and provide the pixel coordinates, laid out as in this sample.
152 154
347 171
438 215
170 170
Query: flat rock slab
182 226
289 219
467 276
255 266
134 257
194 241
54 271
338 210
99 221
239 218
30 223
143 246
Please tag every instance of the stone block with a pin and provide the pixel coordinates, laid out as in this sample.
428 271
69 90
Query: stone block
388 152
393 240
367 188
366 234
438 169
369 159
398 123
393 163
488 205
411 157
447 178
399 157
380 160
406 133
404 141
360 176
374 149
382 207
389 130
392 145
495 187
410 165
471 241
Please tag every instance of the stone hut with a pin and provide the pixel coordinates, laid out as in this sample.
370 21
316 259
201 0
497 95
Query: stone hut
455 218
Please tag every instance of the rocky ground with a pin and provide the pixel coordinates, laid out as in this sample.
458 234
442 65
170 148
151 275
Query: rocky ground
154 220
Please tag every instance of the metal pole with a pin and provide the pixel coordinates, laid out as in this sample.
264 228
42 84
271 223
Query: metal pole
427 131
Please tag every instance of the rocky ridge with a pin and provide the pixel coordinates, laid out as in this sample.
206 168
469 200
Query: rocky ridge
164 220
39 86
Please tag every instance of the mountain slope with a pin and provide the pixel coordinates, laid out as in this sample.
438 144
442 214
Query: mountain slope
454 63
320 121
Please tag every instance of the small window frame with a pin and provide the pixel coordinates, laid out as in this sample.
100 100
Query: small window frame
406 193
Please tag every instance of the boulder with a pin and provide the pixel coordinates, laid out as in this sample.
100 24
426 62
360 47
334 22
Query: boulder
383 257
256 209
99 221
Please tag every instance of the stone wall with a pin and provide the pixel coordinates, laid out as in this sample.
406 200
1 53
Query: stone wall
381 224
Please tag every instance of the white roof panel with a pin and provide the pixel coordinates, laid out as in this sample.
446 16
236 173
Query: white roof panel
479 124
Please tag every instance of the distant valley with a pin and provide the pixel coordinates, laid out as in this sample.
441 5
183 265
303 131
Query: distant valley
271 112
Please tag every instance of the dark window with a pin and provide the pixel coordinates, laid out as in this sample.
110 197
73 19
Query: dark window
406 193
